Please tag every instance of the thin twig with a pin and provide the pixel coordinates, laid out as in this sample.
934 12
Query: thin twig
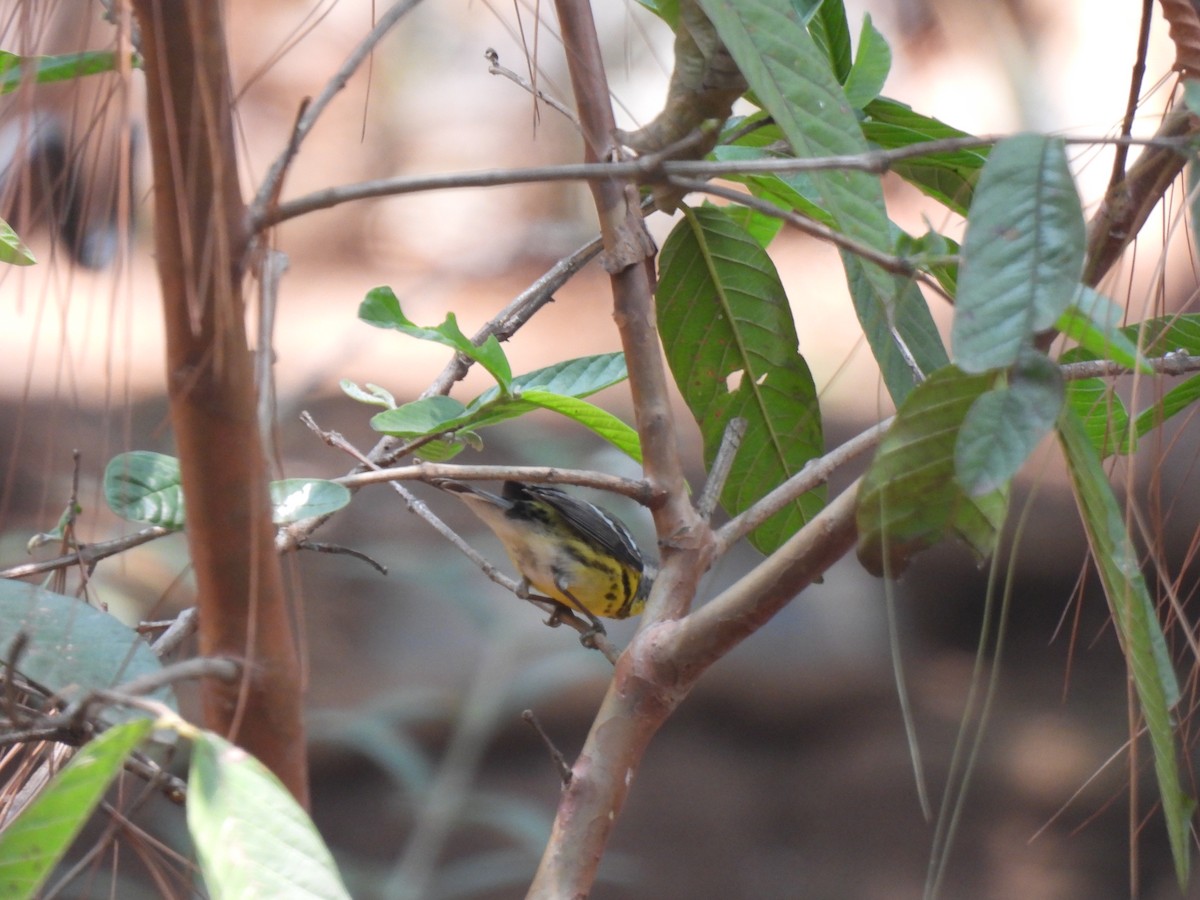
814 473
495 68
177 632
635 489
338 549
718 474
309 114
894 264
506 323
1178 363
556 756
650 169
88 554
1135 90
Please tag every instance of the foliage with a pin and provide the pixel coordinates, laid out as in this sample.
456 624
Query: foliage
969 416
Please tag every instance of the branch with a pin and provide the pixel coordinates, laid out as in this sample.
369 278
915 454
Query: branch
268 192
88 554
634 489
650 170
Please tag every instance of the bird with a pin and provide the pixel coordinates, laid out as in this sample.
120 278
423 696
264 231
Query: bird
573 552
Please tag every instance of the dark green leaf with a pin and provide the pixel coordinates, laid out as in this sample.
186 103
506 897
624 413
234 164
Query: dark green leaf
872 62
1141 635
1094 322
1022 255
791 77
667 10
724 318
759 226
143 486
33 843
909 499
830 29
1104 416
295 499
1005 424
381 308
949 178
73 646
251 837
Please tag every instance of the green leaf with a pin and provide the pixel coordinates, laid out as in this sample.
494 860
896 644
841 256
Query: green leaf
759 226
251 837
33 843
1103 413
372 394
830 30
724 317
295 499
667 10
1005 425
573 378
73 646
381 308
934 253
432 415
579 377
791 77
949 178
1137 626
1023 252
143 486
64 67
592 417
871 65
12 251
1094 322
909 499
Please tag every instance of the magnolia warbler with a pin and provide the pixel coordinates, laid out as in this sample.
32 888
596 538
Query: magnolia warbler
568 549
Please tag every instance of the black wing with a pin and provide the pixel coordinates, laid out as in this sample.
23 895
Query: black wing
594 523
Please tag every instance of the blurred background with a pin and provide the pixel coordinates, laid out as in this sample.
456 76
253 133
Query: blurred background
788 772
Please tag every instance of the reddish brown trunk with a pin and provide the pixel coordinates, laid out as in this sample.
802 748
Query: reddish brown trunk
199 233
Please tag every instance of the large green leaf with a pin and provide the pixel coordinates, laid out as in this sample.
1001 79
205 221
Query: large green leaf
909 498
252 838
33 843
1137 625
791 76
724 316
72 645
1022 255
